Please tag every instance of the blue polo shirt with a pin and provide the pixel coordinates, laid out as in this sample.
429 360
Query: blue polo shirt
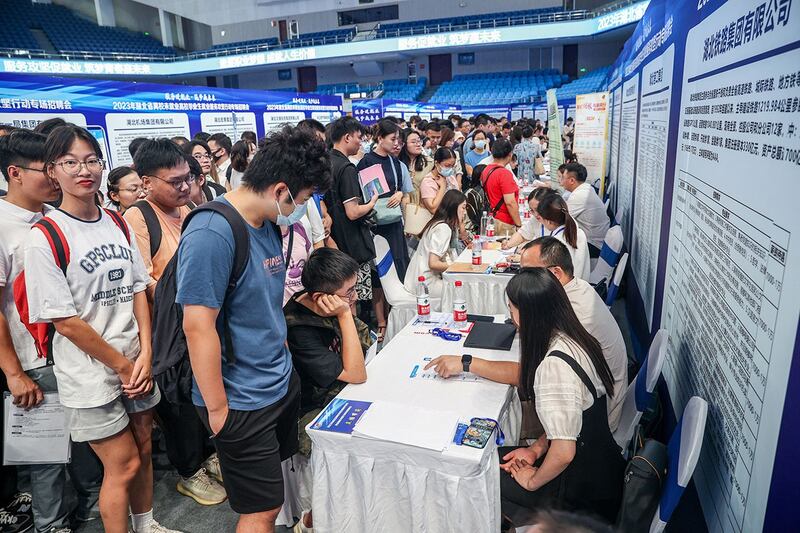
260 375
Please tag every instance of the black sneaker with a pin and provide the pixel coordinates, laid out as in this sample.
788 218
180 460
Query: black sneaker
15 523
21 504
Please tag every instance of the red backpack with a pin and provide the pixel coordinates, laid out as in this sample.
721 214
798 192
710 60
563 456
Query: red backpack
42 333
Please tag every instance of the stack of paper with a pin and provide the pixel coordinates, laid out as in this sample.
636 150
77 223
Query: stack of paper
406 424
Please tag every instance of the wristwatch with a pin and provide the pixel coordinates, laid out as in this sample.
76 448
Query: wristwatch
466 360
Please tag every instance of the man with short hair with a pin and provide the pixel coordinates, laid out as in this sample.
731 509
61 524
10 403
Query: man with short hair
134 146
28 375
166 175
464 126
585 206
220 146
592 312
251 406
433 131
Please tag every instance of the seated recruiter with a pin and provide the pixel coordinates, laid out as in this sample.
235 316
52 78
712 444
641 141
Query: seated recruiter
591 310
532 228
558 223
327 341
438 243
441 179
585 206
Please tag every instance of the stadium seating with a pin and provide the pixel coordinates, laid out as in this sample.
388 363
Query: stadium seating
489 20
588 83
498 87
70 33
392 89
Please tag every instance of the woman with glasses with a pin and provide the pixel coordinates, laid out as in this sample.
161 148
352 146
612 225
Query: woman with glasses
416 161
202 153
575 464
327 341
124 188
94 298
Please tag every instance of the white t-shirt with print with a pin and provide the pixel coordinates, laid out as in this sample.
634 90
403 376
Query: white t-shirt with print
103 274
15 229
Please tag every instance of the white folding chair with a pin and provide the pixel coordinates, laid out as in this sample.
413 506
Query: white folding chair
613 289
640 394
403 302
618 216
609 255
683 451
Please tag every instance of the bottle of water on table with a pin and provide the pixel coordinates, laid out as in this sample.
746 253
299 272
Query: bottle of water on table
484 223
423 298
459 307
477 250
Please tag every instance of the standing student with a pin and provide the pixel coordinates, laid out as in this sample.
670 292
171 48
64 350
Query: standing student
479 150
125 188
441 179
220 147
249 407
202 153
502 189
438 243
557 222
240 157
527 151
418 164
102 329
167 176
28 375
386 133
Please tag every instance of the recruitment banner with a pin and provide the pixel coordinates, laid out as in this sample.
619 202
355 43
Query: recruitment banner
591 136
118 112
554 144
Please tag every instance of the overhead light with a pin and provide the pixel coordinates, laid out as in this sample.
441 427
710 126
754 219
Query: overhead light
583 69
222 33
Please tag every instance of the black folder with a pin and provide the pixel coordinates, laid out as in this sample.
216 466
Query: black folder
491 336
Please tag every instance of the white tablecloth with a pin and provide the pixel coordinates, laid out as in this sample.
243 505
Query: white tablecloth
486 293
364 485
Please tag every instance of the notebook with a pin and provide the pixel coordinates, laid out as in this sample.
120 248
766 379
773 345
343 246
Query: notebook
491 336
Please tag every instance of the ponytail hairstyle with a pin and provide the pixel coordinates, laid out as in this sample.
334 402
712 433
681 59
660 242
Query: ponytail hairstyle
553 208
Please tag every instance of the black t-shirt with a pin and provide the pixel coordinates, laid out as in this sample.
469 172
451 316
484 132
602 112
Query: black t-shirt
393 175
317 357
352 236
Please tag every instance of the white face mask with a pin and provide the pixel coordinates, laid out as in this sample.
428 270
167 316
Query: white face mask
480 144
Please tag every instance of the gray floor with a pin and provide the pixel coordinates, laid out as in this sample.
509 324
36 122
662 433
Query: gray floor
176 511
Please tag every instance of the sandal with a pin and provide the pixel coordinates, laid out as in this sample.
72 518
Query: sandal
381 333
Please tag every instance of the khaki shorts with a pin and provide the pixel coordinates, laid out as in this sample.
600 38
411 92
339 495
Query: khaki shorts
88 424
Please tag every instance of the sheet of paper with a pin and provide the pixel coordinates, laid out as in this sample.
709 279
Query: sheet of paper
35 436
418 373
406 424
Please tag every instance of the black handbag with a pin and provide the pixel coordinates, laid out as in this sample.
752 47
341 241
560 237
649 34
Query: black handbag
641 493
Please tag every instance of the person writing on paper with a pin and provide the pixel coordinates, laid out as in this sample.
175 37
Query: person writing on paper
532 227
101 317
558 223
591 310
441 179
576 463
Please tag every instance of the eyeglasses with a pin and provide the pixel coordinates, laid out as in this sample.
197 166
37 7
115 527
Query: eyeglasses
31 168
179 183
73 167
351 293
200 157
132 190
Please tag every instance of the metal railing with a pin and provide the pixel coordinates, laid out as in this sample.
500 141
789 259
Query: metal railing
377 32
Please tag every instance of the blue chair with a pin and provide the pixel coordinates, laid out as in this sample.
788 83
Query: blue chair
683 452
640 394
613 289
609 256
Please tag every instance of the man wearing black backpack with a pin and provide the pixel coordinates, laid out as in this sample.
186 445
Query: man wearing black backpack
245 388
156 221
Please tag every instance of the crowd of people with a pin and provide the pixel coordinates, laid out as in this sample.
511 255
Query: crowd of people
225 291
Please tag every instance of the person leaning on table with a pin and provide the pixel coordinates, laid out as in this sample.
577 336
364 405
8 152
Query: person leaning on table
575 464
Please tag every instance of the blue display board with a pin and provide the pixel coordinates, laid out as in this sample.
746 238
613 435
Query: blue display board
370 111
705 106
117 112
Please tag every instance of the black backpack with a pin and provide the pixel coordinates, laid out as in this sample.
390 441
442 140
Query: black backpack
151 221
478 200
171 367
641 493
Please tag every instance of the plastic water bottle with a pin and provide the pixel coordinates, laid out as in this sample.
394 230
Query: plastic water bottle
477 250
459 307
490 228
484 223
423 298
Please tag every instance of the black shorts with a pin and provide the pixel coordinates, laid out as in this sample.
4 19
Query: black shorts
251 446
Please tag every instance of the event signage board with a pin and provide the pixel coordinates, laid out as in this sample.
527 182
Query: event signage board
591 135
554 142
705 97
117 112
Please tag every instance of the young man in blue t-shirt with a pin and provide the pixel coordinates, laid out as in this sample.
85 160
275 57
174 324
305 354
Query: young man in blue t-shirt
251 406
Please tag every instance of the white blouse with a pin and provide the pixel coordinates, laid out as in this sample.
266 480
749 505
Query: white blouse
561 396
436 240
581 264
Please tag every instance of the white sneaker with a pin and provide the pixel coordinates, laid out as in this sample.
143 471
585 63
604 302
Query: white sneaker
202 489
212 467
158 528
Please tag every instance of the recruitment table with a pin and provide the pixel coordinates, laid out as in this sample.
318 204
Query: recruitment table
486 292
365 485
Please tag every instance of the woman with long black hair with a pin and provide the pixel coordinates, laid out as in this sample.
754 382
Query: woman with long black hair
438 242
557 222
575 464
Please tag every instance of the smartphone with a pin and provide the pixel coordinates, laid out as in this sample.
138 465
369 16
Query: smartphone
479 432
